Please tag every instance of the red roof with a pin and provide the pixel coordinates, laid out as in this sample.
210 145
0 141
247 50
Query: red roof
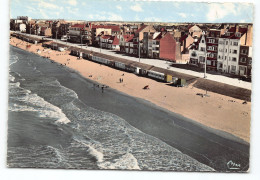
106 37
128 37
233 34
232 29
112 27
79 25
141 28
116 41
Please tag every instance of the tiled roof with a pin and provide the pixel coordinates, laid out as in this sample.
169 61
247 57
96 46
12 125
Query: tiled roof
232 29
79 26
112 27
115 41
233 34
106 37
141 28
128 37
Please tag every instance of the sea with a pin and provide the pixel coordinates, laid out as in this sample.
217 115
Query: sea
52 126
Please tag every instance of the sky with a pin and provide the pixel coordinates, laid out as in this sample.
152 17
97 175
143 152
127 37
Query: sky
147 11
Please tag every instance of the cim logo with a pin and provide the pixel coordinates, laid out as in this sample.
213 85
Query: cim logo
232 165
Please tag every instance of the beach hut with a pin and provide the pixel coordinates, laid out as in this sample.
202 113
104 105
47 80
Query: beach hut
180 82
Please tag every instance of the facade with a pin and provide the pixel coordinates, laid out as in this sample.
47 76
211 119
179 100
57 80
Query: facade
22 28
138 40
198 52
45 31
79 33
195 31
245 61
124 41
154 45
96 30
212 48
229 53
167 48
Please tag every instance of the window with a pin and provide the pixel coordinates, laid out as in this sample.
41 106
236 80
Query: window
193 54
243 59
220 65
238 34
250 62
229 50
225 57
208 62
202 49
233 68
235 43
235 51
211 40
219 56
244 51
202 59
226 50
202 41
226 42
234 59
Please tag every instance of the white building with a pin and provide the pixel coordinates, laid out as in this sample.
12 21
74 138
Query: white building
228 55
22 27
229 49
197 52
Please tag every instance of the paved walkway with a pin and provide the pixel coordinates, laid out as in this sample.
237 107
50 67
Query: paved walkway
165 65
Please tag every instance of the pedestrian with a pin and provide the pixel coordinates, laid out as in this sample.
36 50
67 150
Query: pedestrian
102 88
122 80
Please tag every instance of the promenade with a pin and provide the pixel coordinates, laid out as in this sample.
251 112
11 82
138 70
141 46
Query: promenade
157 63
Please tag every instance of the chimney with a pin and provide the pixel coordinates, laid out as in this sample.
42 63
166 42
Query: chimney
237 27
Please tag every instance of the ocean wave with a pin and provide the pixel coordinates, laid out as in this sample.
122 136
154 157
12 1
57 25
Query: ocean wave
124 162
32 102
13 59
11 78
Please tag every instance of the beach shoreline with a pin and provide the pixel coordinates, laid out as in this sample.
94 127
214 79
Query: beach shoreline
216 111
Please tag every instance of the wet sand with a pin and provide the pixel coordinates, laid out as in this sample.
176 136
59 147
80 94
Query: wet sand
216 111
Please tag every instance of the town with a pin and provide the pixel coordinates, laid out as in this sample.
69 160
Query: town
226 48
187 84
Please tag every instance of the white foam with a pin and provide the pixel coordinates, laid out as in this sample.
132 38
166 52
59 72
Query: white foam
14 58
37 104
126 162
11 78
97 154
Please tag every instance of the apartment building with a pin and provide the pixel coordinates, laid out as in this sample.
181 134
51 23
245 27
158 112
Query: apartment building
229 50
198 52
212 48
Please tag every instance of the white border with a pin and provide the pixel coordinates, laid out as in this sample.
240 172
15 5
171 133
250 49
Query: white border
39 174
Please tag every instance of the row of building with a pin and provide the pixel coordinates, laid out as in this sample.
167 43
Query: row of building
227 50
224 47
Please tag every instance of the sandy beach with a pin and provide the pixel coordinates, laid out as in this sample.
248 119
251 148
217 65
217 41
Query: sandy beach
216 111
